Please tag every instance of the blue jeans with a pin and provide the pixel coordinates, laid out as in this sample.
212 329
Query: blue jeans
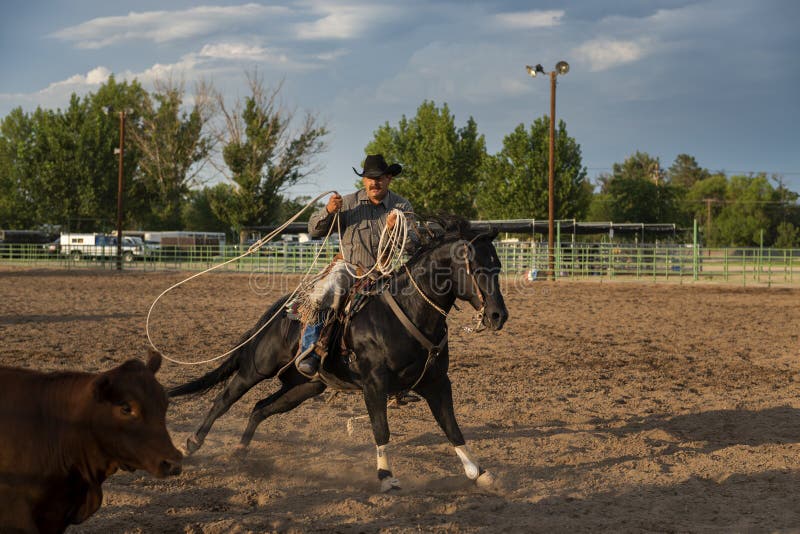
310 336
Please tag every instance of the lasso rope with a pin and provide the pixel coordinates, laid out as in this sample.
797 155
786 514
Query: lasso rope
391 246
253 248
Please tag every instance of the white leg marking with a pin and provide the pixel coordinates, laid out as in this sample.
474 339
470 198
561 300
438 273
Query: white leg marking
470 466
388 483
383 458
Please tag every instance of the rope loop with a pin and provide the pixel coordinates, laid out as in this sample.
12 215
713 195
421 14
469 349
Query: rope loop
253 248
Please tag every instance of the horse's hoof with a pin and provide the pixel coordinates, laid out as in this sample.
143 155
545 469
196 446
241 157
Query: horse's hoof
191 446
486 480
389 484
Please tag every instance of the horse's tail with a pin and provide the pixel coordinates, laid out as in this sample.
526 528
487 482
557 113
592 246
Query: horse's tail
210 379
231 364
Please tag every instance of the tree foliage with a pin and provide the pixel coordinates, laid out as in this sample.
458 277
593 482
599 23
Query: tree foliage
441 163
516 179
263 156
638 191
685 172
174 148
59 167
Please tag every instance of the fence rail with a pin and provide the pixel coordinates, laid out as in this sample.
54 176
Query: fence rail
572 261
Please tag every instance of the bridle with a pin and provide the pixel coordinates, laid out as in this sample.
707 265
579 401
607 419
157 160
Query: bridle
476 287
482 310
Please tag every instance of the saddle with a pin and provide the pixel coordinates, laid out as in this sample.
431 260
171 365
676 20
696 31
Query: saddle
331 346
332 337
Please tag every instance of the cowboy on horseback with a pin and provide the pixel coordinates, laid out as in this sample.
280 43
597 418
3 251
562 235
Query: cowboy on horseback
363 215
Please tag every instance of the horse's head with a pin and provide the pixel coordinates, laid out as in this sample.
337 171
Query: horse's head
467 266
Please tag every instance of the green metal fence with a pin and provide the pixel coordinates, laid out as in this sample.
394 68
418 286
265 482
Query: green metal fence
584 261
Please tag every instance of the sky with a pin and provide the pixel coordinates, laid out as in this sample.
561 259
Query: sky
715 79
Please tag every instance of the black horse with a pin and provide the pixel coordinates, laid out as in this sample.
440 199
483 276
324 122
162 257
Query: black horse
398 342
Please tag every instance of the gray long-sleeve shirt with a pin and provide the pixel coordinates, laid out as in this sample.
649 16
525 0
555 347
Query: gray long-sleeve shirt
361 224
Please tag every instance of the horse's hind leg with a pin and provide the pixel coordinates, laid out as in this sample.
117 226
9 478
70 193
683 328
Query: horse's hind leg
234 389
289 397
439 396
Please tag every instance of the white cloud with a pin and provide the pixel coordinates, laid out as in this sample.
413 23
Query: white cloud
524 20
163 26
217 60
332 55
242 52
339 21
603 54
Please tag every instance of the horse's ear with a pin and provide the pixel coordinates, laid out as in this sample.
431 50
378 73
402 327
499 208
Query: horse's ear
492 233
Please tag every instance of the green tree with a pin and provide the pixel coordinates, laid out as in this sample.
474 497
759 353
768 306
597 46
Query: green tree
173 150
704 201
516 179
17 204
788 236
263 155
59 166
441 164
197 214
100 135
638 191
749 209
685 172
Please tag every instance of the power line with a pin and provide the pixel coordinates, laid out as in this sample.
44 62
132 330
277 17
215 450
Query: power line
790 173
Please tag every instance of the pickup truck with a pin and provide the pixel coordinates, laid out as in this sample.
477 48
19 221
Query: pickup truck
78 246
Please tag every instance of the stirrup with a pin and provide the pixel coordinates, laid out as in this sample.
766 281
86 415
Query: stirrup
303 366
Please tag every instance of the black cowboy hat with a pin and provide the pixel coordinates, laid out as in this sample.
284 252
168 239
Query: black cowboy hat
375 166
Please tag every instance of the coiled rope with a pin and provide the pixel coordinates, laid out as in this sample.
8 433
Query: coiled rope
391 246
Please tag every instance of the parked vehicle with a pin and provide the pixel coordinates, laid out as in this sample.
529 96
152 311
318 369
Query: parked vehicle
78 246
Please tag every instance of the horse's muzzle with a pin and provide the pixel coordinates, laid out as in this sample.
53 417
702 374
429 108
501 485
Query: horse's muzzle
495 319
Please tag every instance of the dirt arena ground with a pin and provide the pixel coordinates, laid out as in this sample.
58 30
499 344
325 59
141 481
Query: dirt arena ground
614 407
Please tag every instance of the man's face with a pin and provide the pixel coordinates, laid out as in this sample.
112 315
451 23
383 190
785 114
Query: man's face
377 188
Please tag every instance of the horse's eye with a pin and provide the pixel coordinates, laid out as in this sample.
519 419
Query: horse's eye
126 408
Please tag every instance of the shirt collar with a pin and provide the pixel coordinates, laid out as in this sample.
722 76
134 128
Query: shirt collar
362 197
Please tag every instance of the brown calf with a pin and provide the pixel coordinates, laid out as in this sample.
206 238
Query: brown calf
62 434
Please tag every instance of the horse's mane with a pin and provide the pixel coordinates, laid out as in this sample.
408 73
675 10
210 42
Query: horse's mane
439 229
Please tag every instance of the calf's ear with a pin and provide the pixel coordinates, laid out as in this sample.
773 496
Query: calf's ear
103 388
153 360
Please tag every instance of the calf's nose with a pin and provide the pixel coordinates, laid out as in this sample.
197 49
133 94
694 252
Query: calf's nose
169 469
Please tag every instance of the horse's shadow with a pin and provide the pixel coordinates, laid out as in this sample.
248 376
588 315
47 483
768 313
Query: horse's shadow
716 429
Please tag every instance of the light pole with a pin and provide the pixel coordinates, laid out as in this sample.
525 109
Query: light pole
562 67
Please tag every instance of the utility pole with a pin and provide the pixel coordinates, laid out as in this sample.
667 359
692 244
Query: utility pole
121 152
708 217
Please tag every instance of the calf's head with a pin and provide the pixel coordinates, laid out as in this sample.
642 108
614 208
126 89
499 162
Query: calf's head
128 423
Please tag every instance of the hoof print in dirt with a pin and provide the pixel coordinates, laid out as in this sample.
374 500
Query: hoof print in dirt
390 484
486 481
239 454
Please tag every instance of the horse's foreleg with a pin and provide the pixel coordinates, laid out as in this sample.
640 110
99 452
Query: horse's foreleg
285 399
439 396
375 399
238 386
